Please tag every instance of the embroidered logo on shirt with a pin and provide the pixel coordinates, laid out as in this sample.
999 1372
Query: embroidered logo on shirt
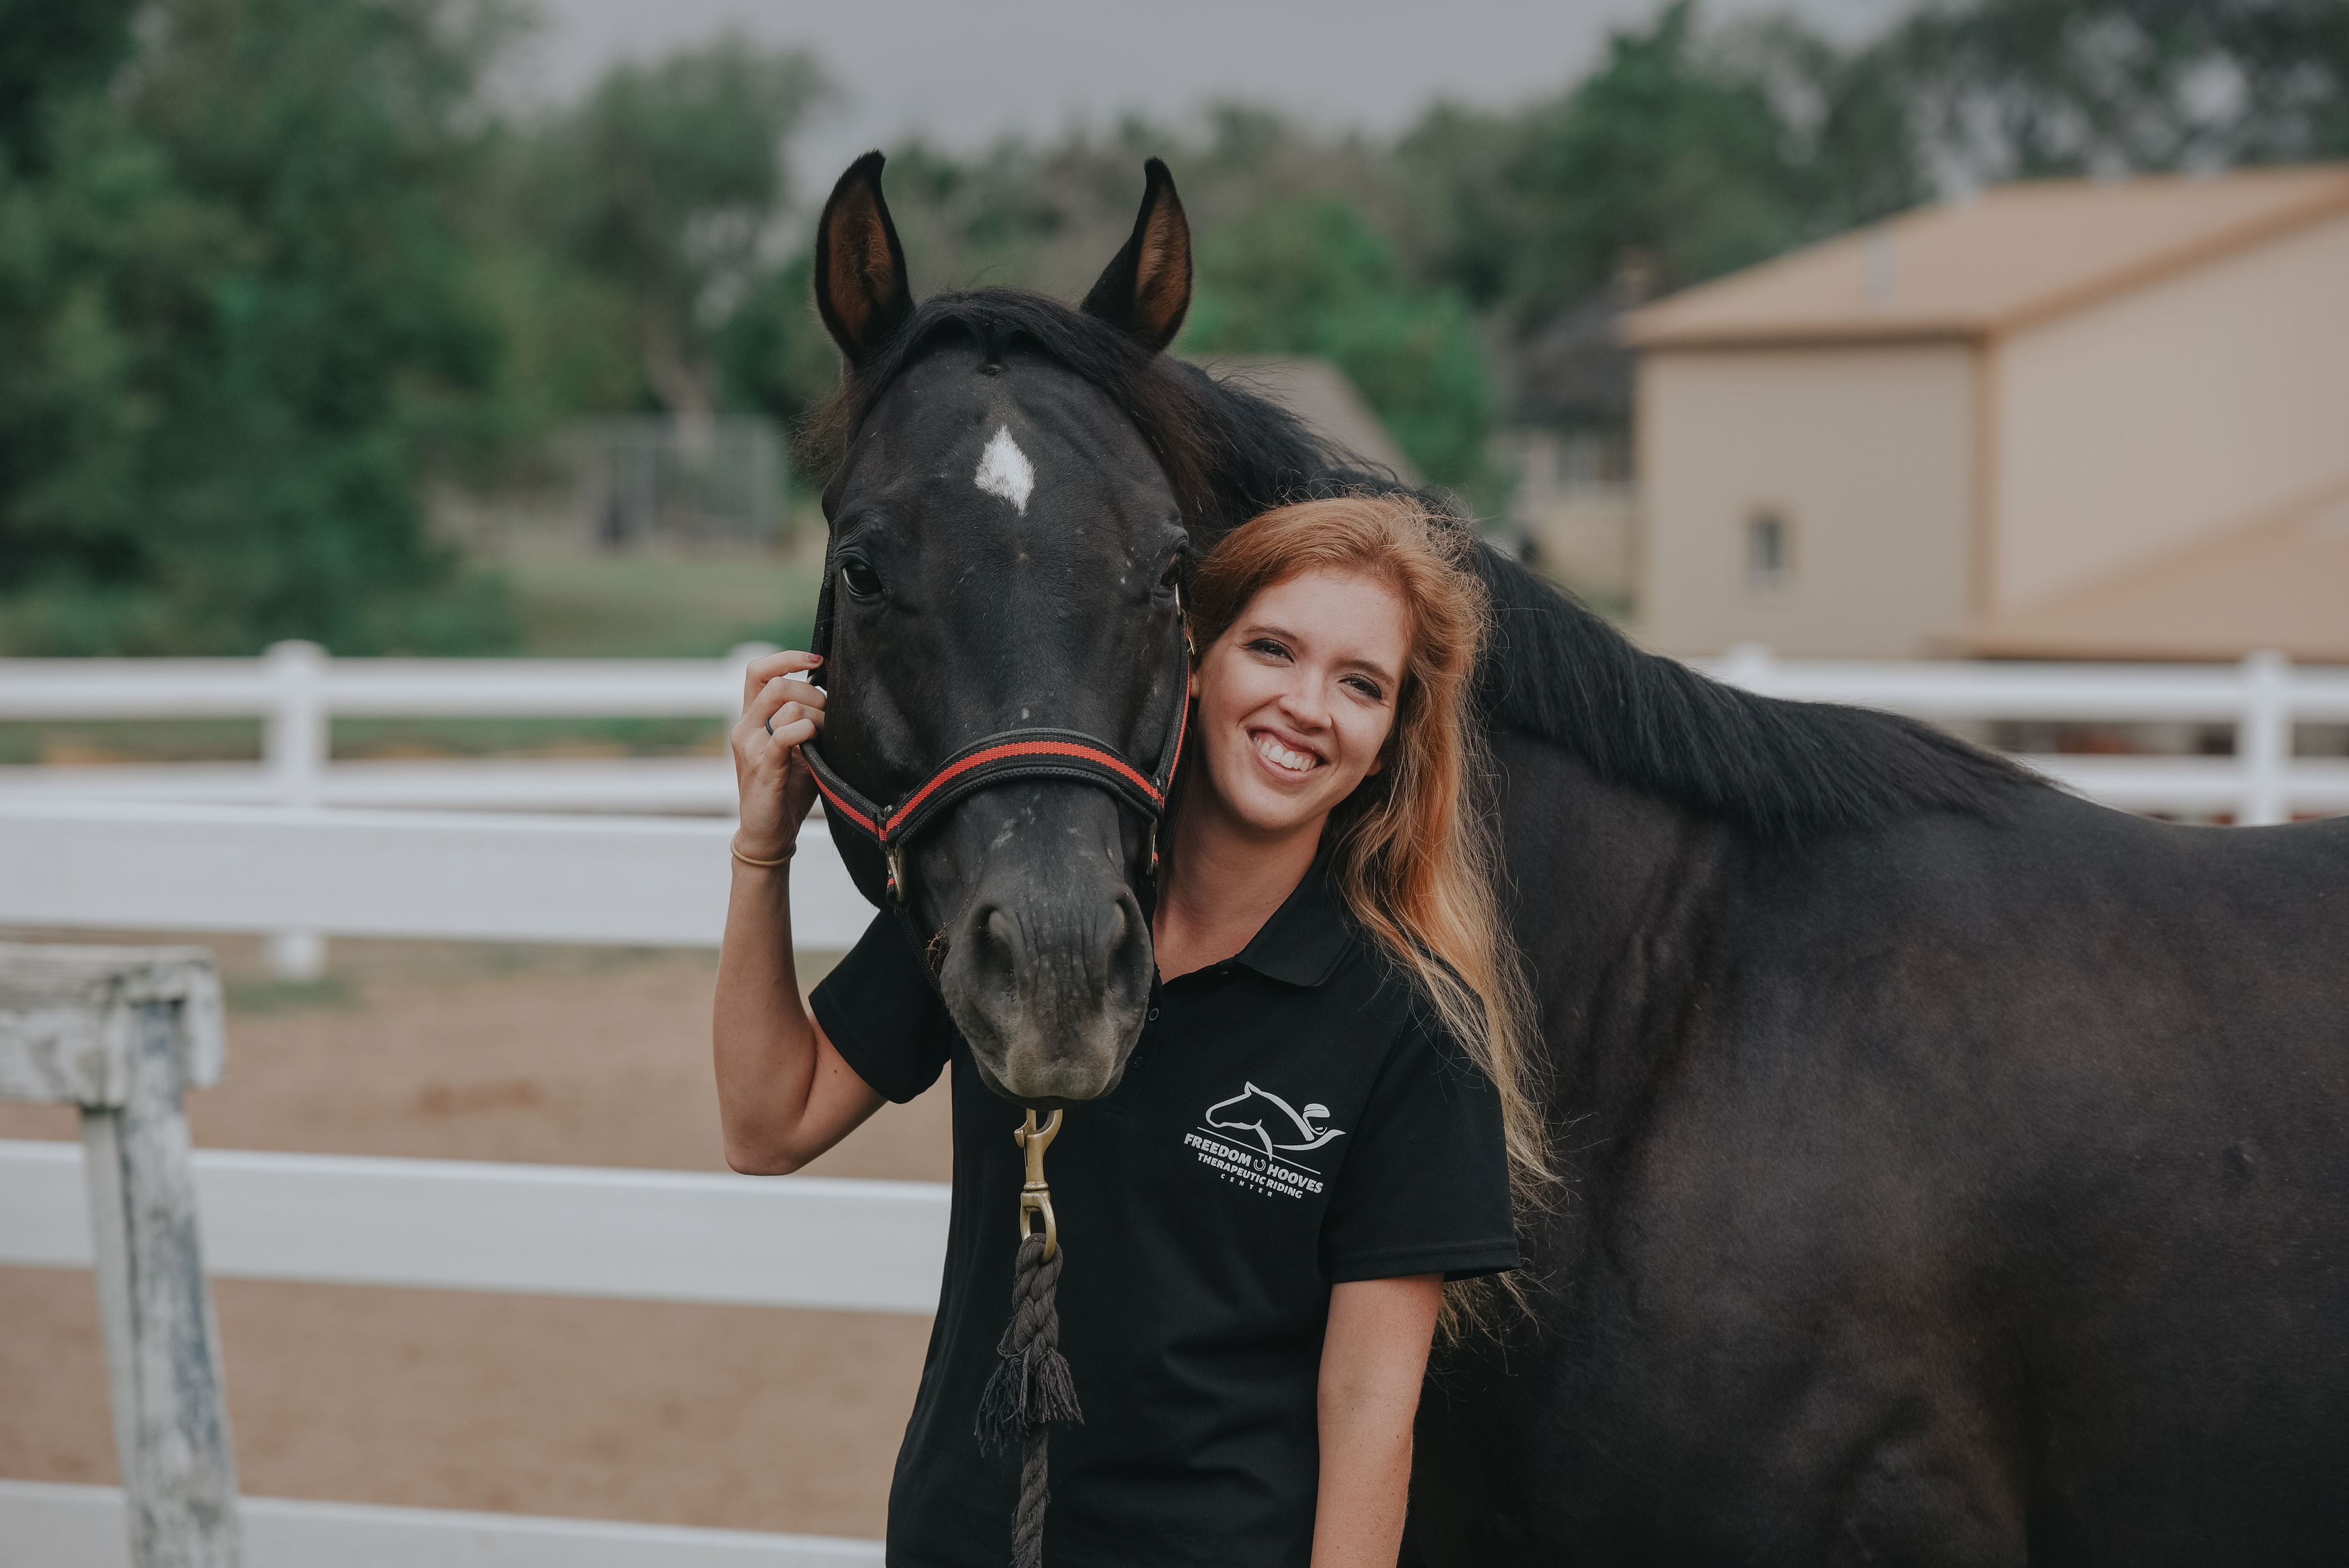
1254 1140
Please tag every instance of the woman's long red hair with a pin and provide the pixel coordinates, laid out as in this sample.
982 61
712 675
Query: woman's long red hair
1413 850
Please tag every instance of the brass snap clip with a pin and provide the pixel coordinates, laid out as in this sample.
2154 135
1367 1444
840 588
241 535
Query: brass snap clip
1035 1197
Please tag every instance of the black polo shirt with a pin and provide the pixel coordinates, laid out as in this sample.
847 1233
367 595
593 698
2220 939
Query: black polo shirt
1292 1118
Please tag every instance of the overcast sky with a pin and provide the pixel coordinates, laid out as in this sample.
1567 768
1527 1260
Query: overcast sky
962 72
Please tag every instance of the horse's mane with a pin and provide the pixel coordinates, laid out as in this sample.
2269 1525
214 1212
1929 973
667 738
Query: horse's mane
1781 771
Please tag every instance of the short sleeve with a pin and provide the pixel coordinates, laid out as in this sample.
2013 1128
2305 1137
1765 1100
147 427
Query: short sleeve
882 1015
1425 1188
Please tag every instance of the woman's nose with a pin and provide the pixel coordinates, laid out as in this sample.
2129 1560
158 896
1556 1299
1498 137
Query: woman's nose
1302 706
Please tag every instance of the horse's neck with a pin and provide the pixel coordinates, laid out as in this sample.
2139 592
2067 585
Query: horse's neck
1619 907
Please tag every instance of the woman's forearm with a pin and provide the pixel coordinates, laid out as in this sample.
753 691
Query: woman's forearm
1373 1354
763 1041
784 1096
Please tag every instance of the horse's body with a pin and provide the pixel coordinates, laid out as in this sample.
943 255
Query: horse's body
1951 1191
1953 1172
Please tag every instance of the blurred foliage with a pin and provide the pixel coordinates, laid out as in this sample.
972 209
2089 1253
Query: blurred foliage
1680 158
237 315
270 268
774 356
2020 89
665 185
1312 276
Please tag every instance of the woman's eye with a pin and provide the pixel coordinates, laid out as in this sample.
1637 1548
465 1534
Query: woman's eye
1268 647
1369 689
860 580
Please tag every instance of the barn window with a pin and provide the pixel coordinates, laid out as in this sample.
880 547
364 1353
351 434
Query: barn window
1769 550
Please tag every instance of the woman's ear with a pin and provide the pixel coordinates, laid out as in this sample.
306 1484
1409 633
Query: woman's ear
1145 291
860 268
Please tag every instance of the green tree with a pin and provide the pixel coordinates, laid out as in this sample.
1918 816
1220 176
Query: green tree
2029 88
1313 276
774 356
1684 156
240 325
667 183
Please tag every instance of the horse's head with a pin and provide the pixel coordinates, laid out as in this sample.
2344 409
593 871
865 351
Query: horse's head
1006 554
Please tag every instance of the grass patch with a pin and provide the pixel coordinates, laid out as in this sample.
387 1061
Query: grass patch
249 996
658 607
61 742
573 737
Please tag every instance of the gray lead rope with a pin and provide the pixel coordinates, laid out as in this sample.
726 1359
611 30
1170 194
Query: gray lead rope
1030 1387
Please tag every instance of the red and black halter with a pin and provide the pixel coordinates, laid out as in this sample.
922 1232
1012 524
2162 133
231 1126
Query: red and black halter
859 822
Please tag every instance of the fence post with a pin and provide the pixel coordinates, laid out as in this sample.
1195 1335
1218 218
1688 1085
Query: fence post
296 742
122 1031
2263 738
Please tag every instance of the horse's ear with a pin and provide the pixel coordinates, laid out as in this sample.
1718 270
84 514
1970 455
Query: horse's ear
1148 288
859 268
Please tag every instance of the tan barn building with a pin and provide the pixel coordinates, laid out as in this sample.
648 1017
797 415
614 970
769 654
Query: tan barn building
2069 419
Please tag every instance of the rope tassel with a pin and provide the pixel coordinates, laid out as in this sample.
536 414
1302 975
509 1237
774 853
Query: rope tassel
1030 1387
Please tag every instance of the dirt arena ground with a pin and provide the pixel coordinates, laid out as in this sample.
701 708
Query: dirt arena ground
723 1417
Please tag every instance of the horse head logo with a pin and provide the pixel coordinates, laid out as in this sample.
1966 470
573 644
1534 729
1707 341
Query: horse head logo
1264 1112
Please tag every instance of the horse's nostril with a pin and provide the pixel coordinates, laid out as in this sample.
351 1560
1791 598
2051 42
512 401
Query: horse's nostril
1000 946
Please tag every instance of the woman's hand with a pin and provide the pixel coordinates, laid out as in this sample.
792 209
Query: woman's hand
779 715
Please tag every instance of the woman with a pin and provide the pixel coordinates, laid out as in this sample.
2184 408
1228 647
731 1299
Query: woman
1321 1123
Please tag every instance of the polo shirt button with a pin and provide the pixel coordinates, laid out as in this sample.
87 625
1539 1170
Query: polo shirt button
1154 1015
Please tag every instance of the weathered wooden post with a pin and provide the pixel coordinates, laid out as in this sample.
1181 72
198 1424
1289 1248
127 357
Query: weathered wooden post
121 1033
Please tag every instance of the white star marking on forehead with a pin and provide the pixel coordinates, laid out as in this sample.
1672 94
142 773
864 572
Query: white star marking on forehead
1004 470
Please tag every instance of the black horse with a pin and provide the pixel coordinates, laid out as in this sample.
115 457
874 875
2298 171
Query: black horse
1956 1172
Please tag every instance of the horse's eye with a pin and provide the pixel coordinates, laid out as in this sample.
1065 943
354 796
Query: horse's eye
1171 578
860 580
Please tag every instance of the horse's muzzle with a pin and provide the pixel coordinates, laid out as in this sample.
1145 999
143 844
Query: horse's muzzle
1047 967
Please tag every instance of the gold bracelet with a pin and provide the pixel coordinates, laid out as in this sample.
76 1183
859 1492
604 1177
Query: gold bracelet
762 864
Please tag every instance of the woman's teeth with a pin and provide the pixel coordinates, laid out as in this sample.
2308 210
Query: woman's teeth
1280 756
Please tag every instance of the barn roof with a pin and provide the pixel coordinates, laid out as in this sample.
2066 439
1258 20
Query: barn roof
2011 256
1321 395
2279 582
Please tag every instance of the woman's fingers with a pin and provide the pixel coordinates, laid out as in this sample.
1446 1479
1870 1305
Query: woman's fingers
768 666
778 693
784 714
796 732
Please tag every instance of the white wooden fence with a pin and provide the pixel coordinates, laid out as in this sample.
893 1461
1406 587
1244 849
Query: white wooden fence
183 853
297 691
795 1241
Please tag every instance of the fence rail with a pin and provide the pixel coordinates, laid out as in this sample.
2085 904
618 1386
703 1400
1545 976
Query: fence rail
47 1525
297 690
820 1242
632 881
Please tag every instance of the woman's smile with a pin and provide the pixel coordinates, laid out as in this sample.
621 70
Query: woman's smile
1285 758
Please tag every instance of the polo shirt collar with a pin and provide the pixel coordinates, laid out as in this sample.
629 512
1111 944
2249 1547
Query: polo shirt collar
1308 936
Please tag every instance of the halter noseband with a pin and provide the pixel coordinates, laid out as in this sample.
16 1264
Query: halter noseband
1027 752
